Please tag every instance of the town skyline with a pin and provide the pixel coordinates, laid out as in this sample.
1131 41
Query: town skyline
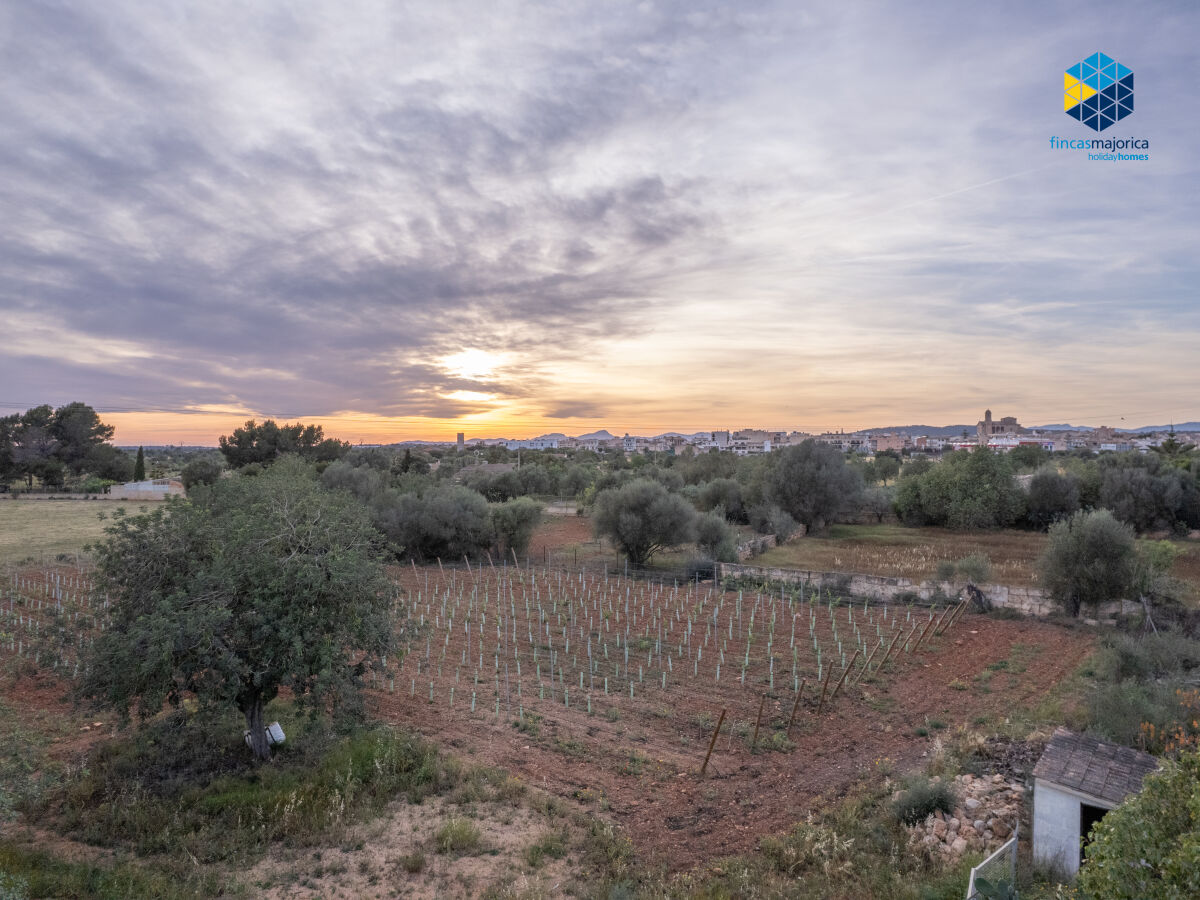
132 430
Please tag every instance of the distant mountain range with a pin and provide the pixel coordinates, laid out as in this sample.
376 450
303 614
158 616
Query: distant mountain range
1145 429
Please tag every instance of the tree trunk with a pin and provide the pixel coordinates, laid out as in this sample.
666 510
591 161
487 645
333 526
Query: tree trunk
258 733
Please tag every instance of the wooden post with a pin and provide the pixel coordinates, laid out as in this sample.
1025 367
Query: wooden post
910 634
956 615
799 694
867 665
857 653
712 743
945 620
758 721
928 625
883 661
824 688
937 629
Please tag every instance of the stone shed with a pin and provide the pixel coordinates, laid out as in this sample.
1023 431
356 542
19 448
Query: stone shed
1077 780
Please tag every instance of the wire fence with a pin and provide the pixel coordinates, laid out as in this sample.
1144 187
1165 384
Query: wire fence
997 874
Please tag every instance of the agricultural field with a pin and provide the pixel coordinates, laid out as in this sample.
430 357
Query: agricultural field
902 551
40 530
607 692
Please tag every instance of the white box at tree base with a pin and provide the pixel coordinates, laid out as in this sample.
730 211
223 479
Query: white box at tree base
274 732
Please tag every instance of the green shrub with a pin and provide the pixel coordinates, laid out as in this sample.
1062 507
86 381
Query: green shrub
1117 711
923 798
552 844
1156 827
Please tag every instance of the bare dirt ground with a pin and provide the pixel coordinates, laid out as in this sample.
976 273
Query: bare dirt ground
642 766
373 860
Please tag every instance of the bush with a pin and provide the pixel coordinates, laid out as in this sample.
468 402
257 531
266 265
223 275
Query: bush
513 523
552 844
1147 657
200 471
726 494
1117 711
770 519
923 798
715 538
1052 496
1158 828
445 522
1090 559
975 568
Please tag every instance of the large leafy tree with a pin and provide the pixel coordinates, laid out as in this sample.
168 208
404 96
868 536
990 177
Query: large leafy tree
969 489
47 443
255 585
1089 558
34 447
643 517
264 443
79 433
812 483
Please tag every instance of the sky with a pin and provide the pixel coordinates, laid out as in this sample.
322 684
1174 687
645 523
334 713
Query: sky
405 220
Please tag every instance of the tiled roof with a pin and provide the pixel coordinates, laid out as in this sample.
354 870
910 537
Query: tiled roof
1092 766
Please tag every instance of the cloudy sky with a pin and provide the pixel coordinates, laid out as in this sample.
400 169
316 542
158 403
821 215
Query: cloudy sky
404 220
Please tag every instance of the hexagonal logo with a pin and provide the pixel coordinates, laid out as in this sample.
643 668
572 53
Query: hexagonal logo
1098 91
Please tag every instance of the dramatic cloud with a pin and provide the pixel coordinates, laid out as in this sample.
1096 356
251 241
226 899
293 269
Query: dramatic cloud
516 218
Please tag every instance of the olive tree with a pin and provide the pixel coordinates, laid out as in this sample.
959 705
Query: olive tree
255 585
643 517
812 483
1090 558
1053 495
715 538
513 523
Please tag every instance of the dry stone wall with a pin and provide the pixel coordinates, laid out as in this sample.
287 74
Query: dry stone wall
1025 600
987 812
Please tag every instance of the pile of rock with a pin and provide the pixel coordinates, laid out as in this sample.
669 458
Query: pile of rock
987 812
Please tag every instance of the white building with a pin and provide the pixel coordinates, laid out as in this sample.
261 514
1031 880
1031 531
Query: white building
158 489
533 444
1077 780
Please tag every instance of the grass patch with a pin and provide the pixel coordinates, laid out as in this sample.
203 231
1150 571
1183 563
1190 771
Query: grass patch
412 863
25 872
906 552
40 530
25 772
552 844
457 835
185 788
